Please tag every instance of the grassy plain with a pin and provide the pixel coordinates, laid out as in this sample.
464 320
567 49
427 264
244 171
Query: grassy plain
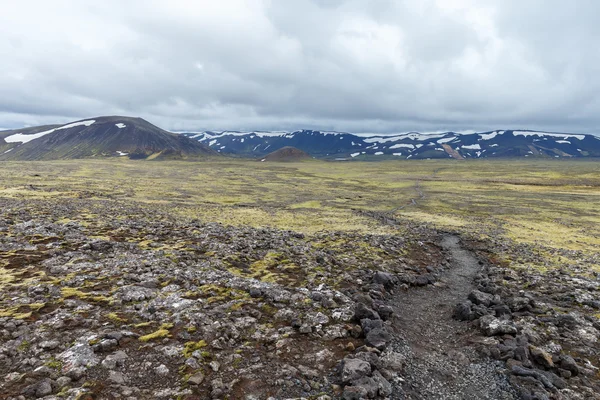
553 205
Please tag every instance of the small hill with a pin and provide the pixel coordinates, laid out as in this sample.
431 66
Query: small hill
113 136
287 153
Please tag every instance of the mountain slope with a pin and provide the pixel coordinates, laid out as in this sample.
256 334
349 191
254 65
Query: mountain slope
287 153
499 143
101 136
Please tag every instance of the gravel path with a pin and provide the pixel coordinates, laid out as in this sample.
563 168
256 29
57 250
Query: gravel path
440 360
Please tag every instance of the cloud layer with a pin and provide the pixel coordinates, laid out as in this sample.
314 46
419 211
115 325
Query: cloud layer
376 66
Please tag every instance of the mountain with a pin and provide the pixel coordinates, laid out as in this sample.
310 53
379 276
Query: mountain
287 153
98 137
414 145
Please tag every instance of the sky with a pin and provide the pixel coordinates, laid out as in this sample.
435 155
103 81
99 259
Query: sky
377 66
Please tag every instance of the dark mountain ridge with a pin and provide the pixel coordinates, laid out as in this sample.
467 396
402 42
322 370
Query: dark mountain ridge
98 137
113 136
411 145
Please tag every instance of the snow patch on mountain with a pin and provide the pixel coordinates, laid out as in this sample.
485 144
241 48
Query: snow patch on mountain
399 145
19 137
446 140
489 136
559 135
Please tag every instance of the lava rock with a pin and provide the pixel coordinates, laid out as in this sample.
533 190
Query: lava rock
492 326
568 363
353 369
378 338
462 311
363 312
369 324
386 279
541 357
478 297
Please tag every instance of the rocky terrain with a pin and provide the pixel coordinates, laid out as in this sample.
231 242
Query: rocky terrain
107 299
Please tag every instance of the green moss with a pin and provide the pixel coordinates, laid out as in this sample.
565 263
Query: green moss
115 318
24 346
143 324
54 363
190 347
161 333
69 292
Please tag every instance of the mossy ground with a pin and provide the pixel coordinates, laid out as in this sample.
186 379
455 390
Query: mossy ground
546 203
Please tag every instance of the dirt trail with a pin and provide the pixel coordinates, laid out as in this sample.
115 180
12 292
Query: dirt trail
440 360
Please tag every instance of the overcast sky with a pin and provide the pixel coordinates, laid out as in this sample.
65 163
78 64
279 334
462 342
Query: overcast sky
358 66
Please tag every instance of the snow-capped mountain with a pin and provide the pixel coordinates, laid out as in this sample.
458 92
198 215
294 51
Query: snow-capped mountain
112 136
324 144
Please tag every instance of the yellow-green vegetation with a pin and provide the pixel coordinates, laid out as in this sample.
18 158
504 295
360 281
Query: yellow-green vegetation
54 363
19 312
190 347
216 293
552 204
274 267
115 318
162 332
69 292
143 324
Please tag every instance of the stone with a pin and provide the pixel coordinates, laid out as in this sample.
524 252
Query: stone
44 388
521 371
49 344
541 357
423 280
568 363
368 324
369 384
519 303
353 369
79 355
386 279
384 387
161 370
63 381
354 393
116 377
361 311
385 312
480 298
462 311
105 345
378 338
492 326
501 310
115 360
192 363
369 357
196 379
214 365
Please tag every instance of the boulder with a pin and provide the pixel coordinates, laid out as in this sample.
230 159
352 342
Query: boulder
353 369
361 311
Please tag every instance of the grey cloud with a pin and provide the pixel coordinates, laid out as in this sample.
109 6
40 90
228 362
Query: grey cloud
384 66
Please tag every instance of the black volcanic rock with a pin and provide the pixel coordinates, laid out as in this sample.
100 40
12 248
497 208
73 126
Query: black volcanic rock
98 137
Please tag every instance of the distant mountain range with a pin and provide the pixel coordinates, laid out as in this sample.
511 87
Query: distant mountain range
98 137
411 145
117 136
